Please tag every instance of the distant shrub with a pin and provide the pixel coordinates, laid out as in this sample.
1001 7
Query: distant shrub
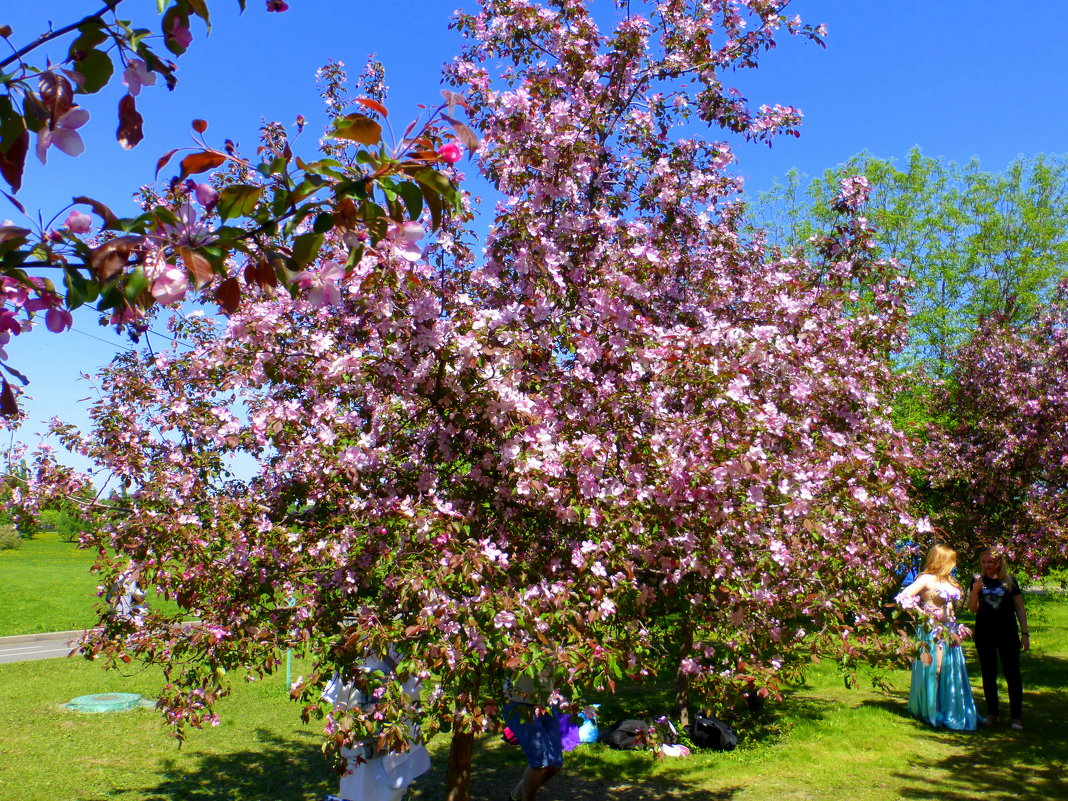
9 538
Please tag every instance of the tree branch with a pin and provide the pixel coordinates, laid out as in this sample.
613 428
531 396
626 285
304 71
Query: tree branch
44 38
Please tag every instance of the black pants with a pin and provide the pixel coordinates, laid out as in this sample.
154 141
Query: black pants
1007 650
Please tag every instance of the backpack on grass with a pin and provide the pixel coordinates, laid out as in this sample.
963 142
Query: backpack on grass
628 735
712 734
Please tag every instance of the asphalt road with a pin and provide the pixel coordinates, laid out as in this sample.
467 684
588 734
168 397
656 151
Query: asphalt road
27 647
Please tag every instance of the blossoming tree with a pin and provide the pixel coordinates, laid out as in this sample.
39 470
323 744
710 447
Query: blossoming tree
623 411
1000 450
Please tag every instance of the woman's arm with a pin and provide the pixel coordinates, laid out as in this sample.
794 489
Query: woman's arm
973 596
1021 615
922 582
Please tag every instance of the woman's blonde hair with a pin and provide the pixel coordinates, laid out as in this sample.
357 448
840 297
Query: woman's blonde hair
1003 566
940 563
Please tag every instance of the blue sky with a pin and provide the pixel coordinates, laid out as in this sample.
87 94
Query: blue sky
980 79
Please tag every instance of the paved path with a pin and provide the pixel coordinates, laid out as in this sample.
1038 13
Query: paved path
26 647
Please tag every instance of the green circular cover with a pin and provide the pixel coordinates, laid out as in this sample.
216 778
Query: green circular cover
104 702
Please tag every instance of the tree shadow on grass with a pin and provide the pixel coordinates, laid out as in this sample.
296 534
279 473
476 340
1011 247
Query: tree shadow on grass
281 770
284 770
997 763
591 773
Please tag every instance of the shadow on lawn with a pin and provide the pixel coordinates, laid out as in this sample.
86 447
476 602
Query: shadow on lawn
281 770
589 774
999 763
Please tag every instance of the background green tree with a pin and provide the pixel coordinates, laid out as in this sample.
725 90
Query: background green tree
974 243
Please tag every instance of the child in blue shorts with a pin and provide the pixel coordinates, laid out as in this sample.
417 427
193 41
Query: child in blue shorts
538 730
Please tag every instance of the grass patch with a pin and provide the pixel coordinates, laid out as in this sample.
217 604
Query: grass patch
45 585
831 743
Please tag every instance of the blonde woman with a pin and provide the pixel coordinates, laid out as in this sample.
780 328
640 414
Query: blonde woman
998 605
940 691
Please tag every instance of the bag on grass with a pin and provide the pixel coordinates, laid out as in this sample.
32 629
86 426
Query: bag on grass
628 735
713 734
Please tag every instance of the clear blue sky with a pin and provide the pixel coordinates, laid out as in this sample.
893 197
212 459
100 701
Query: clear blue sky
982 79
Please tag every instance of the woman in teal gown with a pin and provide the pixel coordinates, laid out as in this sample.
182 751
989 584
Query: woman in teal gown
940 693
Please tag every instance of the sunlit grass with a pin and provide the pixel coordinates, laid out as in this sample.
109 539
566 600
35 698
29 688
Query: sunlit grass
830 743
45 585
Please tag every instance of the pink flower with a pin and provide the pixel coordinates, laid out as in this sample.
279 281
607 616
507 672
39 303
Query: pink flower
58 320
170 286
190 230
180 33
404 237
206 195
137 75
450 152
322 286
78 223
8 323
63 134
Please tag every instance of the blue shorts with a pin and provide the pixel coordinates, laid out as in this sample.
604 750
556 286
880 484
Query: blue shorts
538 735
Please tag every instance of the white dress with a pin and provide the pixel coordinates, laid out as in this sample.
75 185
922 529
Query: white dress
384 776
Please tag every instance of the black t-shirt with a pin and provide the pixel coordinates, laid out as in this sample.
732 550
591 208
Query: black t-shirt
996 616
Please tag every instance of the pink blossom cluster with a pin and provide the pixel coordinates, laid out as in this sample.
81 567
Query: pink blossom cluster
28 298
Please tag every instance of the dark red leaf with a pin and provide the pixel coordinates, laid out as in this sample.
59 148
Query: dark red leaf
229 295
113 256
266 276
15 202
201 162
57 94
197 264
374 105
130 122
163 161
467 136
106 214
9 407
13 160
454 99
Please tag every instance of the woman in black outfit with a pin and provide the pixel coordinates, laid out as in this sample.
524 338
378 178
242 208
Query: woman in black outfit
998 604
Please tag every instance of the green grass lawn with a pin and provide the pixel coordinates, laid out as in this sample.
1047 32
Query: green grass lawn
45 585
832 743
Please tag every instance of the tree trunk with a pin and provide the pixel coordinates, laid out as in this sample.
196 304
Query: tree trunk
682 680
458 771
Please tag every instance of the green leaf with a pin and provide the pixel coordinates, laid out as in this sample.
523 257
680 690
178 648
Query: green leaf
328 167
354 257
110 298
306 247
238 201
136 283
323 223
413 198
433 201
92 34
79 291
432 179
96 69
200 8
